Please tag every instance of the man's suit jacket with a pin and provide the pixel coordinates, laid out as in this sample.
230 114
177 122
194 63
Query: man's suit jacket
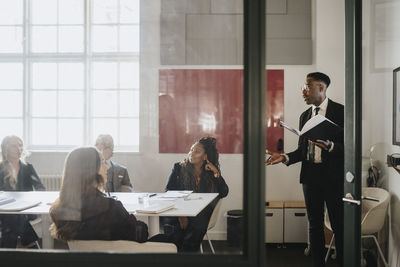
332 162
118 179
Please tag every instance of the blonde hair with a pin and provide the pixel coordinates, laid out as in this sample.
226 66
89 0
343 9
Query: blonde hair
80 176
5 165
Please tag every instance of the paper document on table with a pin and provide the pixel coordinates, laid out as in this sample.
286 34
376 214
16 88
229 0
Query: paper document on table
6 200
175 194
18 205
156 207
318 127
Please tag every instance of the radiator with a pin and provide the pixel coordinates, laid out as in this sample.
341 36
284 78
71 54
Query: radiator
52 182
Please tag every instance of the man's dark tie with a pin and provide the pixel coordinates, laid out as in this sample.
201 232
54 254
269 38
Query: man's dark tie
316 110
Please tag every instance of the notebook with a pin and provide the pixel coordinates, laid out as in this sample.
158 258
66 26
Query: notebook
156 208
18 205
6 200
318 127
175 194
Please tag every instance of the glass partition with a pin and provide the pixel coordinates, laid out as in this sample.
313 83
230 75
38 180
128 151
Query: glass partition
158 76
380 108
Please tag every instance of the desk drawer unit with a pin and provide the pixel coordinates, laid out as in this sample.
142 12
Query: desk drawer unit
295 225
274 222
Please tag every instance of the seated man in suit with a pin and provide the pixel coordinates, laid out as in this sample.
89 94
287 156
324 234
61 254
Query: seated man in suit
117 175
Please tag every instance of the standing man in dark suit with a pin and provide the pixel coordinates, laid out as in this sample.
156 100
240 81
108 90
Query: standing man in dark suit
322 168
117 175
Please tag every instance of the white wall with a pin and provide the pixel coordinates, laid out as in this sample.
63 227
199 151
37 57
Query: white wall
149 169
328 50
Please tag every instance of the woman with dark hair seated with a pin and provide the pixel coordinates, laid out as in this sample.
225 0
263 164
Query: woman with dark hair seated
82 211
17 175
199 172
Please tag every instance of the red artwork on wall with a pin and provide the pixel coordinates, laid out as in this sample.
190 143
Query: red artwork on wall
198 103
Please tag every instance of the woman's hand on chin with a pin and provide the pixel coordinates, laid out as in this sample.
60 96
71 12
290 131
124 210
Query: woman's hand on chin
210 167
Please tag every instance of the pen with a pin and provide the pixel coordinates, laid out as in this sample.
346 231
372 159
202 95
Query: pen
152 195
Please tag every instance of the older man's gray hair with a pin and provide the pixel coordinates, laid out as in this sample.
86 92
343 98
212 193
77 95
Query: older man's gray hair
105 140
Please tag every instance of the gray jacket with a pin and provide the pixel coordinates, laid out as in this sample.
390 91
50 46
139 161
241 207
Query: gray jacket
118 179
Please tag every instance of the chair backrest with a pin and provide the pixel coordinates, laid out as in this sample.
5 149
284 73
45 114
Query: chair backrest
122 246
374 213
327 222
214 215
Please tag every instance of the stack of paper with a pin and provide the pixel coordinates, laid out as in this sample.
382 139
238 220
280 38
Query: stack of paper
6 200
18 205
174 194
156 207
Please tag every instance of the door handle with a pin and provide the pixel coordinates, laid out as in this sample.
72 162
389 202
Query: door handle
350 199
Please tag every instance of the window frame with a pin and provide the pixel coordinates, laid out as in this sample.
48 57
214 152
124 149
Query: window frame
254 181
27 58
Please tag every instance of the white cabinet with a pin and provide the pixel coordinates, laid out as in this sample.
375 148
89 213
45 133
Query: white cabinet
295 223
274 222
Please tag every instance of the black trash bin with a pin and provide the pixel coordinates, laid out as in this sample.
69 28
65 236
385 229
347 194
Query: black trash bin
235 227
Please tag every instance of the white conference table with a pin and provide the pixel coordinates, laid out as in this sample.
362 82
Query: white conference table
187 207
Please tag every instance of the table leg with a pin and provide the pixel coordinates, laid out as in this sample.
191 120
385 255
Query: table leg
47 240
154 225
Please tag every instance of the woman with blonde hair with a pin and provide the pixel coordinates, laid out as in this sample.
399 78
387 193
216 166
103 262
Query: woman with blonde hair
17 175
82 211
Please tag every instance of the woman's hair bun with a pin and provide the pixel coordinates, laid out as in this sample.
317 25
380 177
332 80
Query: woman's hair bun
208 140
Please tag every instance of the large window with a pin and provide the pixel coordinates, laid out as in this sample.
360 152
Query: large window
69 70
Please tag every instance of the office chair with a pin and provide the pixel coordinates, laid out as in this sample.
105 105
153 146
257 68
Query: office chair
211 224
121 246
373 216
328 225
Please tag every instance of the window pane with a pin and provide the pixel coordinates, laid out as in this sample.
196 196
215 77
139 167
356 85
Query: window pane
129 11
11 104
10 127
129 132
104 126
105 11
129 75
70 132
105 39
44 104
71 76
129 39
70 39
11 39
44 132
11 76
44 11
104 103
44 75
70 104
104 75
11 12
129 103
71 11
44 39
